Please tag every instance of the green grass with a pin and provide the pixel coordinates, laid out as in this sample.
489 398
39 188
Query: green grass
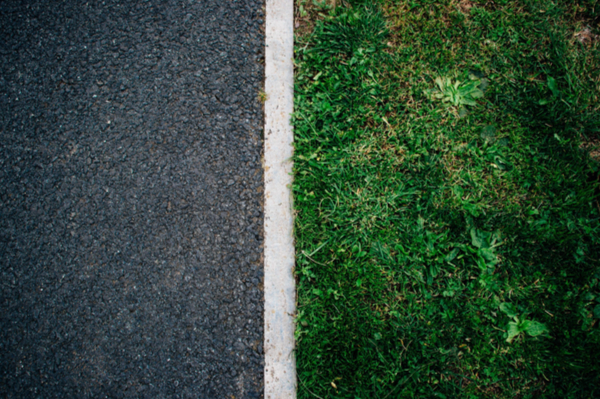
448 233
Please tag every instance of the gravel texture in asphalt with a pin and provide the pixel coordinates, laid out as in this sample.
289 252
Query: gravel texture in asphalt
131 198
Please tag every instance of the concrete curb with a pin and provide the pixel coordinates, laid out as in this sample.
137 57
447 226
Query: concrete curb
279 286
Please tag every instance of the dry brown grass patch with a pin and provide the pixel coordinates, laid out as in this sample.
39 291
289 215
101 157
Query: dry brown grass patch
585 36
592 147
305 21
465 6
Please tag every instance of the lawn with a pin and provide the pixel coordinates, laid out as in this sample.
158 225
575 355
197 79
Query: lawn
447 198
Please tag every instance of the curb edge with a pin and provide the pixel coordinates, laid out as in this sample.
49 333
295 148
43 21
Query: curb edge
279 254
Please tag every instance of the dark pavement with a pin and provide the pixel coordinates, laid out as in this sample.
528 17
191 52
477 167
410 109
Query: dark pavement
131 199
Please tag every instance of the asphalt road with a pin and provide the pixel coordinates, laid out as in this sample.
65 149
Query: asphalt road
131 199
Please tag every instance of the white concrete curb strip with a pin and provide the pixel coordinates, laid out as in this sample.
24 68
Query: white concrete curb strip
279 287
